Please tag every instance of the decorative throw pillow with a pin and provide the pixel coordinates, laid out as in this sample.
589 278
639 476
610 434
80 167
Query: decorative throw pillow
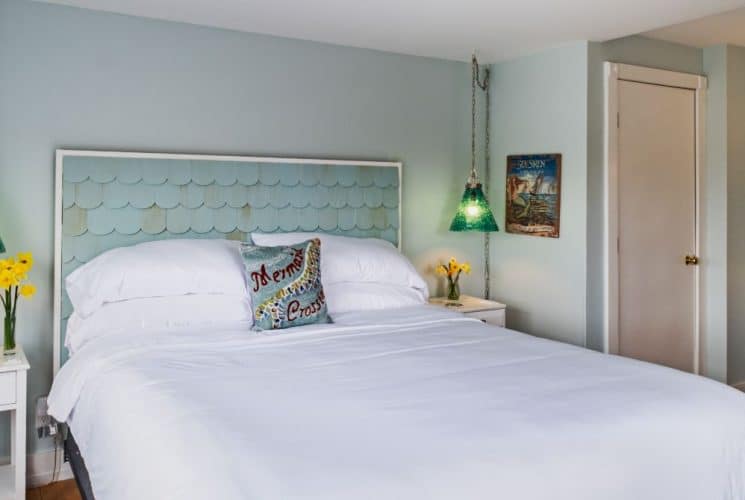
285 284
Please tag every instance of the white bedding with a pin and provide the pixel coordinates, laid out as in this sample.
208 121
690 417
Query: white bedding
422 404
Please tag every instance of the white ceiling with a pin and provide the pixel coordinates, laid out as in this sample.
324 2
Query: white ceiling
728 27
497 29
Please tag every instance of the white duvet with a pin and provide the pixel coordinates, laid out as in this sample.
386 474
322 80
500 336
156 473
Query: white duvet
414 404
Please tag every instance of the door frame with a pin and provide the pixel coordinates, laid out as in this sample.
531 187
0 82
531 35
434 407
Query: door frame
613 73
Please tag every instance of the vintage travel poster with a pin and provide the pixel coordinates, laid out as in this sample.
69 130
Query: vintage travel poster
533 194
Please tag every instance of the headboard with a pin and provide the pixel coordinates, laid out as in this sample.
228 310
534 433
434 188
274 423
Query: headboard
106 200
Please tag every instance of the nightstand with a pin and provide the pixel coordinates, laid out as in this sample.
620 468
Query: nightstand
487 311
13 399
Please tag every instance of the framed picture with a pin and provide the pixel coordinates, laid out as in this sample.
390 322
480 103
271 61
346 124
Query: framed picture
533 195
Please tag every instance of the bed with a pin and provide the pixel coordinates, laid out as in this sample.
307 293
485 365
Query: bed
415 402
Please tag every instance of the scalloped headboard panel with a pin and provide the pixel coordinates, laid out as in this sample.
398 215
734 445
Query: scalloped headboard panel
107 200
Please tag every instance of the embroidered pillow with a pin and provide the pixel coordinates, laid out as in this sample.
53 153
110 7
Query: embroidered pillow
285 284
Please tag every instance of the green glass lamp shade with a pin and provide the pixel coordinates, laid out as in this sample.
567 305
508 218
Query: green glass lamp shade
473 212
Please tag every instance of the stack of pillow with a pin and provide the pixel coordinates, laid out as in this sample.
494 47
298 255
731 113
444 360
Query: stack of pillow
281 280
358 273
157 285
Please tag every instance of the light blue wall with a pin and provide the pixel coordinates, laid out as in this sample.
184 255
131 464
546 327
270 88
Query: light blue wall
540 106
724 210
630 50
714 212
83 79
650 52
735 214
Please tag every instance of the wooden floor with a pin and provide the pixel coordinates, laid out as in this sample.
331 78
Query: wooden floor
61 490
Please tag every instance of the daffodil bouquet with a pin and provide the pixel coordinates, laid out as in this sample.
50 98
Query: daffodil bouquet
14 281
452 270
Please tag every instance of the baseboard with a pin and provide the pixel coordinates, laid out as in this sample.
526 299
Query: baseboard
739 385
40 468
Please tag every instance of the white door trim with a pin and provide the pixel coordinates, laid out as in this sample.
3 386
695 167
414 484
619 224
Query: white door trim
613 73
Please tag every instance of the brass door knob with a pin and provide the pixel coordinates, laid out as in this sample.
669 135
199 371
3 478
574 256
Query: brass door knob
691 260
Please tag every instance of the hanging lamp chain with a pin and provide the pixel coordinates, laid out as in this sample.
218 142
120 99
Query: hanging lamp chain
473 181
487 167
483 85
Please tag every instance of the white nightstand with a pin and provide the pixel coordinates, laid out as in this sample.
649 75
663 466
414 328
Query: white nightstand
487 311
13 399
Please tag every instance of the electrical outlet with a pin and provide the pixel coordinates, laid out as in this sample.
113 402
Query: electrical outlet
45 424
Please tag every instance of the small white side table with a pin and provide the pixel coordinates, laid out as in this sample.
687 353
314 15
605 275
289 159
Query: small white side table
13 399
488 311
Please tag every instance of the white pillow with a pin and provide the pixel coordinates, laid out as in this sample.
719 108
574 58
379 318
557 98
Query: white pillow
277 239
159 313
346 297
354 260
157 269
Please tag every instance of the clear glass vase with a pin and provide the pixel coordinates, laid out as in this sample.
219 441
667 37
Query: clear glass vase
453 290
9 336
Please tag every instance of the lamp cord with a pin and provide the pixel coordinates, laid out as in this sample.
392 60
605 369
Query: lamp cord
474 78
483 85
487 160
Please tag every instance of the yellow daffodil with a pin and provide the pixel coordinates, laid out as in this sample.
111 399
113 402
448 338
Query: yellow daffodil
452 271
26 259
28 290
6 279
19 270
7 264
13 276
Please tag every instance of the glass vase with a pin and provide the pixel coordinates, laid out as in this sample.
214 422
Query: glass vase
9 337
453 290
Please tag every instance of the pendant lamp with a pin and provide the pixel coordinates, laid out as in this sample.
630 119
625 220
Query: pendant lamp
474 213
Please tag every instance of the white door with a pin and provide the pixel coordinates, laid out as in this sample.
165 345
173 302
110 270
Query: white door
657 290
